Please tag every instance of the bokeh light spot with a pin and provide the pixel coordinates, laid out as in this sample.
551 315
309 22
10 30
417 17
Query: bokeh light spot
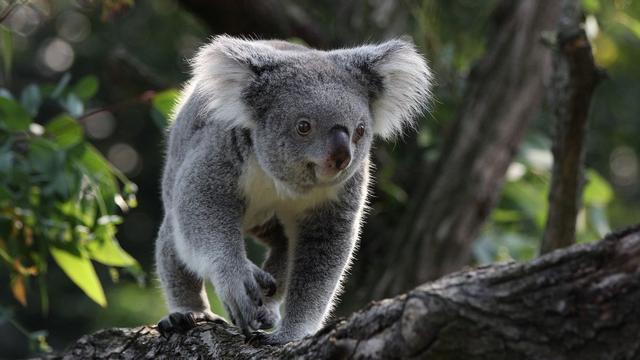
57 55
99 125
73 26
125 158
23 20
623 163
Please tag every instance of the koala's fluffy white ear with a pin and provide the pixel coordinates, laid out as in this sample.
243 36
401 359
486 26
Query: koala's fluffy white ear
400 82
222 69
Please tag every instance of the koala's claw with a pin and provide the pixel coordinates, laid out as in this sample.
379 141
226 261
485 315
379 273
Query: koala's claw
261 338
257 338
178 322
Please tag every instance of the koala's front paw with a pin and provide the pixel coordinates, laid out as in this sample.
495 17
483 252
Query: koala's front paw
244 299
181 322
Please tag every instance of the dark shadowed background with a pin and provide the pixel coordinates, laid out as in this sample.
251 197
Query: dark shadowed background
136 53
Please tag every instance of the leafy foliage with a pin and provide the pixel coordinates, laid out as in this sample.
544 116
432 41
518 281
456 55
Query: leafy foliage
58 195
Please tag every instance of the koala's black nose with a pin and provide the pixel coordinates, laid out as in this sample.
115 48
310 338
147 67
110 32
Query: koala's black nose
340 151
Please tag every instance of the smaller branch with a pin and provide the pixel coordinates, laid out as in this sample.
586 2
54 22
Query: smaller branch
144 98
575 78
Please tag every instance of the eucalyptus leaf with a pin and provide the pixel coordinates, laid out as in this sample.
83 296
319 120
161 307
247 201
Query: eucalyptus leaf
86 87
31 99
80 270
65 130
108 251
13 116
74 105
44 157
165 101
598 191
92 164
61 85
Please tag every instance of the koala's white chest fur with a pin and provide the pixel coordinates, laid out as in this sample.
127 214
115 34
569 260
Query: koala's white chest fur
266 198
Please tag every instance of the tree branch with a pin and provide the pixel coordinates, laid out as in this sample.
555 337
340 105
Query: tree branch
576 303
575 78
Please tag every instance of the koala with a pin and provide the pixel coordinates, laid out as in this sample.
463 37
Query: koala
271 140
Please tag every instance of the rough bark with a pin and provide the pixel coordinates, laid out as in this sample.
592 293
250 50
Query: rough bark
574 80
446 213
575 303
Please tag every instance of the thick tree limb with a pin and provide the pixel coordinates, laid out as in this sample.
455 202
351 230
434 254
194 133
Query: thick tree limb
574 80
576 303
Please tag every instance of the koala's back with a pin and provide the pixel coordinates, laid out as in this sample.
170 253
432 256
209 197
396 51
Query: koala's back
192 137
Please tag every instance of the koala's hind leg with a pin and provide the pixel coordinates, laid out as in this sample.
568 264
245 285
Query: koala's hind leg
185 293
272 234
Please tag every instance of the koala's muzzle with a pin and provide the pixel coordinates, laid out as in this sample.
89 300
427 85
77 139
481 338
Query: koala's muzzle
339 149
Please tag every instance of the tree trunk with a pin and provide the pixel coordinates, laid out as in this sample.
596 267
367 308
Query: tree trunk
576 303
445 215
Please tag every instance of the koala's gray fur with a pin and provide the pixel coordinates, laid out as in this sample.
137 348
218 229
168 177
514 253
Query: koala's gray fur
238 164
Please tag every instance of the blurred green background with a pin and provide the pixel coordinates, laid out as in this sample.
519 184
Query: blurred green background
85 91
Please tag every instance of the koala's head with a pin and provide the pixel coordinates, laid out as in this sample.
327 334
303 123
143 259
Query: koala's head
312 114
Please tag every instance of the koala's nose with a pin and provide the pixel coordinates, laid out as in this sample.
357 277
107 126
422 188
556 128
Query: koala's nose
340 150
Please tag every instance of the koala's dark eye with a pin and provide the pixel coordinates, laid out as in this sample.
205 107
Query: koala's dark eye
303 127
359 132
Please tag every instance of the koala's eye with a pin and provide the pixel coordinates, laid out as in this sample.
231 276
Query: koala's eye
359 132
303 127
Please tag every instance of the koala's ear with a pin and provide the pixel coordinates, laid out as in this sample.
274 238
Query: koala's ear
223 69
398 80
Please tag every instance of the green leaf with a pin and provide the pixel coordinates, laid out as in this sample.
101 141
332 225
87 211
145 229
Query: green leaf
99 171
96 165
165 101
45 156
31 99
598 192
61 85
74 105
108 251
13 116
6 161
505 216
65 131
631 23
63 183
86 87
591 6
81 271
530 198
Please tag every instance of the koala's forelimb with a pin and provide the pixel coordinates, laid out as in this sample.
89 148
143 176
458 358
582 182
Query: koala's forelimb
326 238
206 229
